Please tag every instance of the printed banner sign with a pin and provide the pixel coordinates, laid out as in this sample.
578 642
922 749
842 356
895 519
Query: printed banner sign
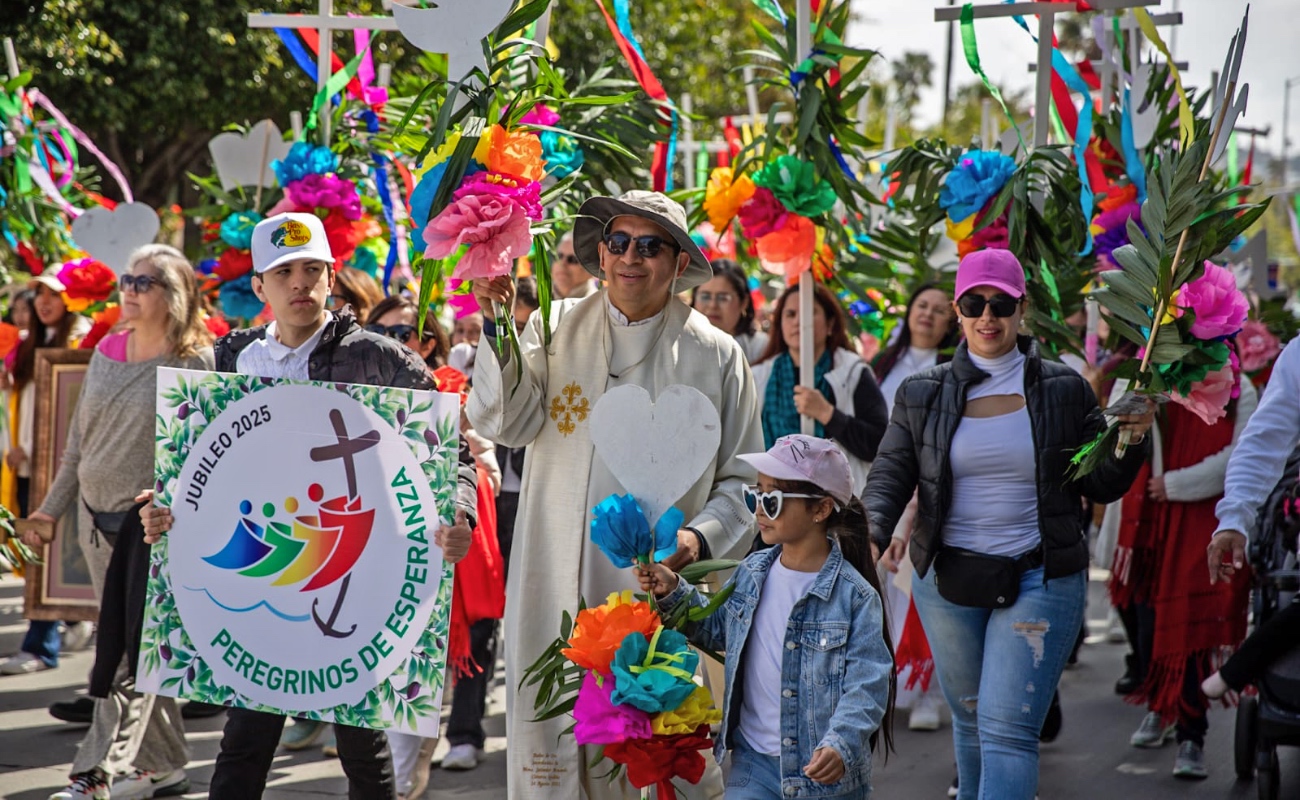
301 576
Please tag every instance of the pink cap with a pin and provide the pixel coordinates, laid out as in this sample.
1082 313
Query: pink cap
997 268
807 458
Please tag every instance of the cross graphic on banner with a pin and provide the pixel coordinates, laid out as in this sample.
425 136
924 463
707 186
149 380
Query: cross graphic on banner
1046 13
325 22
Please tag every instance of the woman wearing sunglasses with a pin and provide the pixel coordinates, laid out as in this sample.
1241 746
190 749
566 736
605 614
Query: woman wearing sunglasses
998 544
801 711
109 458
845 402
398 318
726 301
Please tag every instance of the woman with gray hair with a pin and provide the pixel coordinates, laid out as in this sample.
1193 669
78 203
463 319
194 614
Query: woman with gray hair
108 460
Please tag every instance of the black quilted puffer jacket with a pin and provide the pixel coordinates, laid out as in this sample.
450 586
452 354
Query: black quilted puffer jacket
1063 414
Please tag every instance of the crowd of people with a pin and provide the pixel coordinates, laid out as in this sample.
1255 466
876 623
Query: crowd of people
926 548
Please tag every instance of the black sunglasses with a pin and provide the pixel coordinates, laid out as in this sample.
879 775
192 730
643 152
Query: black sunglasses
401 333
972 305
646 246
137 283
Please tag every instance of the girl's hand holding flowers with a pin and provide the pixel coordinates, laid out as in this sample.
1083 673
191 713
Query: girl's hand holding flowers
656 579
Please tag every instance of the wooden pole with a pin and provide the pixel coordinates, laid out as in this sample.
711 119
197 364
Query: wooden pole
807 365
11 58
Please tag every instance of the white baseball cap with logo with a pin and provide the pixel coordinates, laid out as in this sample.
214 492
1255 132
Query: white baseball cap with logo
288 237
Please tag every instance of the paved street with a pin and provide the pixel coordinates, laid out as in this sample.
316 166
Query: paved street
1091 759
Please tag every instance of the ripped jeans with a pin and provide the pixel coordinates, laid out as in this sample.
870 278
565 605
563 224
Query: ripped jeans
998 670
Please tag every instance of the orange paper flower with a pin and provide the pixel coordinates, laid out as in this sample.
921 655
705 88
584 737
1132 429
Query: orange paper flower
598 632
789 250
725 195
512 153
1117 196
8 339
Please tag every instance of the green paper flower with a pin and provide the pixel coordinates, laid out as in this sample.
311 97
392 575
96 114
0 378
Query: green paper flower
1181 374
796 185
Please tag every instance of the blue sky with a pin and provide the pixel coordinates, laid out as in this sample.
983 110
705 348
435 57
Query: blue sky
1272 50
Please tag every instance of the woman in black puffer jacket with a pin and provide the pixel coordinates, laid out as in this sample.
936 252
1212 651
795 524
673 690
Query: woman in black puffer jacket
997 544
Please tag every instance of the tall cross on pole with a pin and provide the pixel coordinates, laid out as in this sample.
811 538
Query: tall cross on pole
1046 13
325 22
807 367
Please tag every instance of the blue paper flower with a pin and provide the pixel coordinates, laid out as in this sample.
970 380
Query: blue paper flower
620 529
238 300
207 265
861 308
563 154
364 259
977 178
654 676
303 160
237 229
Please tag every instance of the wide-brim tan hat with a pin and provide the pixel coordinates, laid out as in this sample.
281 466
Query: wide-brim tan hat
595 214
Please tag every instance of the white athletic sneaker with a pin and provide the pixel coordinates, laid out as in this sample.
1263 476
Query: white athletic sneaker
925 714
141 784
22 664
77 636
462 757
85 786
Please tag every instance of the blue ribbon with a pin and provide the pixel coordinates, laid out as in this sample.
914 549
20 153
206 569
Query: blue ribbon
672 154
625 26
839 158
1132 159
296 49
1082 135
385 199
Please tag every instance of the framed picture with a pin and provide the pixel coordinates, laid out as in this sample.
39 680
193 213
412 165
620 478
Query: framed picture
60 588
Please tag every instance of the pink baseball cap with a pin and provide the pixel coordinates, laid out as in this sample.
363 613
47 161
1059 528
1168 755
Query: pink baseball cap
807 458
997 268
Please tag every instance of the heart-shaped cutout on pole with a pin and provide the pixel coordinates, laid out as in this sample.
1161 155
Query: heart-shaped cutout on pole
657 450
112 236
244 159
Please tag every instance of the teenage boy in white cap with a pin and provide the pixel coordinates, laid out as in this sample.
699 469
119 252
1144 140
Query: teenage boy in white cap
633 331
294 273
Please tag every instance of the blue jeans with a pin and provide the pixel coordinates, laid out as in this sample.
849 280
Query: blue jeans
42 640
998 670
757 776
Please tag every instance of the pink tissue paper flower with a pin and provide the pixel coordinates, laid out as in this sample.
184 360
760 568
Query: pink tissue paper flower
1208 399
326 191
1258 346
762 214
540 114
529 195
495 228
1219 305
599 721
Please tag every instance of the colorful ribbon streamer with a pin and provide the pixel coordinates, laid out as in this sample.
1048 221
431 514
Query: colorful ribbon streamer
1186 122
82 139
385 197
332 87
1082 136
971 51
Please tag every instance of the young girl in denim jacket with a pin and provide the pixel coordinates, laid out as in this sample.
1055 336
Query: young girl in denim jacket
809 672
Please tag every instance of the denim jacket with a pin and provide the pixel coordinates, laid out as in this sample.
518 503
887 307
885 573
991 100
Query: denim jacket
834 677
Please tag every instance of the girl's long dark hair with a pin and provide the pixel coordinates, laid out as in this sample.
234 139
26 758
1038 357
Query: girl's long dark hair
848 526
25 360
890 355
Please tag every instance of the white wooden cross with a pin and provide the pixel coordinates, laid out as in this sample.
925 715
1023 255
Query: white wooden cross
1046 13
326 23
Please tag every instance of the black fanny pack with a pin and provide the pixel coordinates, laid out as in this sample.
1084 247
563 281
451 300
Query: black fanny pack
108 523
978 580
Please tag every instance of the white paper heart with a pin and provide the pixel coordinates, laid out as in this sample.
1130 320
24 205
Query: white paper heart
111 236
656 450
454 27
237 156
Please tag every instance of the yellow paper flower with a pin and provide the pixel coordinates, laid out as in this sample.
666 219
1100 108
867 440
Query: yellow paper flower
440 155
697 710
725 195
1174 311
961 231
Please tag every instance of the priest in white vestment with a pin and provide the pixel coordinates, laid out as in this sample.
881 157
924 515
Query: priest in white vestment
633 331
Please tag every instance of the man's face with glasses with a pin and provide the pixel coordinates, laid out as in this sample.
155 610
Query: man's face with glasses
567 273
639 277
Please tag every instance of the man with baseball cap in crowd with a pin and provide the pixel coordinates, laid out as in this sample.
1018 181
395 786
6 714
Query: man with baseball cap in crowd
634 331
293 272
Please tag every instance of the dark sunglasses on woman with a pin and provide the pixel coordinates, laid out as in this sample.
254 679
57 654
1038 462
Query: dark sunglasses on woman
401 333
772 502
646 246
972 305
137 283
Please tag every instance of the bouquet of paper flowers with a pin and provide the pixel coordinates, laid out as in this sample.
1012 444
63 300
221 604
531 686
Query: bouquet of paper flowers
625 671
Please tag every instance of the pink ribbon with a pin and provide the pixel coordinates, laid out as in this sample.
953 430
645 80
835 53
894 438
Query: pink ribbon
82 139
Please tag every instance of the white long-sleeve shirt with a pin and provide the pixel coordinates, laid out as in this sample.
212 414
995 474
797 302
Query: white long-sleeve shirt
1266 444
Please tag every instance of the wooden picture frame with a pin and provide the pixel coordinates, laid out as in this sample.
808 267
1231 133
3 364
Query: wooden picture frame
59 588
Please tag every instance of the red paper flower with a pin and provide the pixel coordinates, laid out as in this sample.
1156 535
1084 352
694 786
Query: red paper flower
34 263
343 235
660 759
104 322
87 282
233 264
216 325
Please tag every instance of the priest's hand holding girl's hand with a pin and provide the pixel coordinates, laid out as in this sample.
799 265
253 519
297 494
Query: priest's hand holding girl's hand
489 290
656 579
454 539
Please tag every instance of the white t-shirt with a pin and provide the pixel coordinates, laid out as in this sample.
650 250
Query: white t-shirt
760 708
271 358
994 487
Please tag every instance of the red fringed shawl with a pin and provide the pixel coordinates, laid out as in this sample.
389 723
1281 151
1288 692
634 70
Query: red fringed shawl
479 591
1160 561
